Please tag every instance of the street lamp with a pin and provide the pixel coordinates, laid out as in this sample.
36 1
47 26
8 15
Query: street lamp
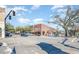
9 15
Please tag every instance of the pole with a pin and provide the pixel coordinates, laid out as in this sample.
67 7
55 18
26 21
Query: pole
5 22
8 15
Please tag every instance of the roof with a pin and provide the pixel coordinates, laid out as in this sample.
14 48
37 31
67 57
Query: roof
39 25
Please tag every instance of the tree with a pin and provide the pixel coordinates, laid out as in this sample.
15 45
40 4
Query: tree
24 28
18 28
68 21
9 27
28 28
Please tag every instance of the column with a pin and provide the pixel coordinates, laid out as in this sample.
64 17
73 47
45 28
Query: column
3 32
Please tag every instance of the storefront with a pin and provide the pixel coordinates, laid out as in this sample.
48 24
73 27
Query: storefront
43 30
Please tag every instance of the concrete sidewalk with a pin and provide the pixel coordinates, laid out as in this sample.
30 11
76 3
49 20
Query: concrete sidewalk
29 50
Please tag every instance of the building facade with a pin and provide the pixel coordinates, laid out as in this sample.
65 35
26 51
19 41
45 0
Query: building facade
43 30
2 22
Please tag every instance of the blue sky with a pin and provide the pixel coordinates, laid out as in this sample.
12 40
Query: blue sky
34 14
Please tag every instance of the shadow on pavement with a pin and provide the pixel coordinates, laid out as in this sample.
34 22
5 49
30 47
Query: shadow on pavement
50 49
70 46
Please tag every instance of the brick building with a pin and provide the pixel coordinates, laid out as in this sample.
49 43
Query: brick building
42 29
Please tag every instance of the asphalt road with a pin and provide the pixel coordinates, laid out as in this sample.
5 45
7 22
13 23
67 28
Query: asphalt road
39 45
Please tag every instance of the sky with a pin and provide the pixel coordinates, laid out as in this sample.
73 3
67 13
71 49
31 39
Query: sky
34 14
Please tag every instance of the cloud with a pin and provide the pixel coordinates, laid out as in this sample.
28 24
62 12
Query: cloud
57 6
61 10
24 20
3 6
38 20
16 9
20 9
34 7
30 22
19 14
50 15
51 20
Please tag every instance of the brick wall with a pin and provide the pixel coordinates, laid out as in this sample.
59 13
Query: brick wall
43 29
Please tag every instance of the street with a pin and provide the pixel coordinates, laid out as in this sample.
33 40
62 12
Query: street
40 45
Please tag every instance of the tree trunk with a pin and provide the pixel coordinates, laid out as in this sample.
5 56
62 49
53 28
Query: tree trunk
66 33
65 39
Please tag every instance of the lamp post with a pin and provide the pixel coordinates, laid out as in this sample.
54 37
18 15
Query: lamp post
8 15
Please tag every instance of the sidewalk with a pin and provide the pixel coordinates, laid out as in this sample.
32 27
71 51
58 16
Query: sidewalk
70 47
29 50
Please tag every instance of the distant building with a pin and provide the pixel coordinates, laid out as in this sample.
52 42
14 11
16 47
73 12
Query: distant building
42 29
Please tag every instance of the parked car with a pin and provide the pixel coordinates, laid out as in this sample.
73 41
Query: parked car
17 33
8 34
26 34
